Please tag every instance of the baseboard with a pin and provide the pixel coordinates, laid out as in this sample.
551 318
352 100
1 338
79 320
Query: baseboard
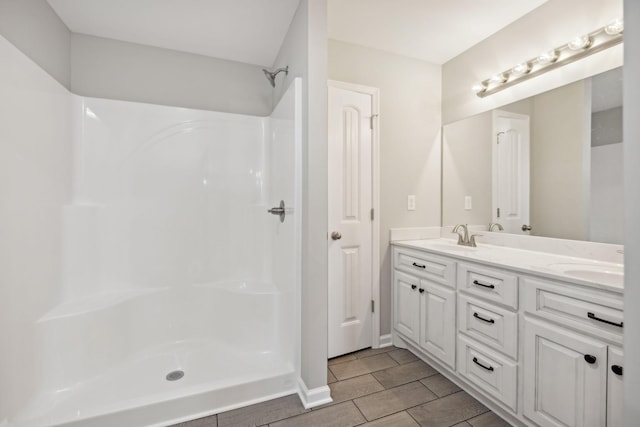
385 340
314 397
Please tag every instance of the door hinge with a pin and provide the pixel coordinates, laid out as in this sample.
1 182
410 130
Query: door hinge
373 306
372 215
371 120
498 212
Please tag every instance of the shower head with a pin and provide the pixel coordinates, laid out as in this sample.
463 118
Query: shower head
271 75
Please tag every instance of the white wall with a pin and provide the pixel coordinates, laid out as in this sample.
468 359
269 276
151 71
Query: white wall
304 50
632 212
547 27
34 28
106 68
409 141
35 183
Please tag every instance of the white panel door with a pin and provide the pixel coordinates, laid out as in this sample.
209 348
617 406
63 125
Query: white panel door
438 321
350 223
511 171
565 377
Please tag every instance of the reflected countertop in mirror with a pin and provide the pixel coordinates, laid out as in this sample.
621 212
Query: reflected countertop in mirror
549 165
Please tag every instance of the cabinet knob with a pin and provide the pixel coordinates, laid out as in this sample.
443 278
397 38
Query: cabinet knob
421 290
413 287
616 369
590 359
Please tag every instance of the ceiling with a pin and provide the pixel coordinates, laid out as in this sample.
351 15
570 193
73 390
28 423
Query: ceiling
252 31
432 30
249 31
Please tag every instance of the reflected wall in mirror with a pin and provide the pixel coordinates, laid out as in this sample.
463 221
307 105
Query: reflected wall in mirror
552 162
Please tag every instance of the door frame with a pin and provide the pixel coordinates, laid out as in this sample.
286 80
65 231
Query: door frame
375 199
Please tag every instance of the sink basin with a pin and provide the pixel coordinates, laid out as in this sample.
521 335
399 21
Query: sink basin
610 273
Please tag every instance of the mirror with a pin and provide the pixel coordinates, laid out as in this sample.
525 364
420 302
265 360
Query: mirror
551 163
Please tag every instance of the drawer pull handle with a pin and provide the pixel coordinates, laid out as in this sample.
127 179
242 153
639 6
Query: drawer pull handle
413 287
608 322
616 369
421 290
475 282
419 266
590 359
477 316
488 368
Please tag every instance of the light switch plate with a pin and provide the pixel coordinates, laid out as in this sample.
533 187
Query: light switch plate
467 203
411 202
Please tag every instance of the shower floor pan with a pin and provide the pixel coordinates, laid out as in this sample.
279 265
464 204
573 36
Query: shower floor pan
216 378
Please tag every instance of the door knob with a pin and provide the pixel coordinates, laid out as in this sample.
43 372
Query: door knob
526 227
336 235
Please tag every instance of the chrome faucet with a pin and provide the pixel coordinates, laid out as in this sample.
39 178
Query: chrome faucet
493 225
464 239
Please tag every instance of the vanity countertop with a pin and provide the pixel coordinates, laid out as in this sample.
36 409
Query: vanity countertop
588 272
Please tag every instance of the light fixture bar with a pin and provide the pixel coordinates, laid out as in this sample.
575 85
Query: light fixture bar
599 40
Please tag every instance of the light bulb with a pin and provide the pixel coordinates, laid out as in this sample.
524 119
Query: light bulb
480 87
614 27
580 42
498 78
547 57
521 69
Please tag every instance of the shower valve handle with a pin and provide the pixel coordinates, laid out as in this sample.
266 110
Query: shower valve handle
280 211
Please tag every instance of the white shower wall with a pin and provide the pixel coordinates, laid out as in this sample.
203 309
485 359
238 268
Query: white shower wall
174 196
35 181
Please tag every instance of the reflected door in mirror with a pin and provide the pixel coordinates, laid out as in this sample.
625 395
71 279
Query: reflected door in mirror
510 171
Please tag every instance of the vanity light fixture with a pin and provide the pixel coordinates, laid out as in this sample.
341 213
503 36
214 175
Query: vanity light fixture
578 48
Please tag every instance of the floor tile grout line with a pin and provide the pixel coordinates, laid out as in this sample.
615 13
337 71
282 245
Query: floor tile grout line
366 420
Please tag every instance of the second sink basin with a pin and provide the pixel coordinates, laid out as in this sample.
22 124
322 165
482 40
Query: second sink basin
611 273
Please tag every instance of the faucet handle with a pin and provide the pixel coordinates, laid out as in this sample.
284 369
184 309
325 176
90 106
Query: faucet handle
497 225
460 236
472 240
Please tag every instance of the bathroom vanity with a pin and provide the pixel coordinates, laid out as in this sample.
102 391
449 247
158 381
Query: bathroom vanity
535 336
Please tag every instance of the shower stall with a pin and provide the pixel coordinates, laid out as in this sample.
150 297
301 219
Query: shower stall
177 294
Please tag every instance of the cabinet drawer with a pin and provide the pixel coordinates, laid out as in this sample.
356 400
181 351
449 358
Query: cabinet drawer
588 310
492 284
491 325
490 372
425 265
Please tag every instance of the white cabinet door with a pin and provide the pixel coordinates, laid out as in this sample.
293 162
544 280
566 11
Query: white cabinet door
565 377
614 388
438 321
406 305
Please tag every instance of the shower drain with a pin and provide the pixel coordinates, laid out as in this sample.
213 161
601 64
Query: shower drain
175 375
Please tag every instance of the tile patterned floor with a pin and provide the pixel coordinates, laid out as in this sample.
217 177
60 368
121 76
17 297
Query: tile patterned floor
372 388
